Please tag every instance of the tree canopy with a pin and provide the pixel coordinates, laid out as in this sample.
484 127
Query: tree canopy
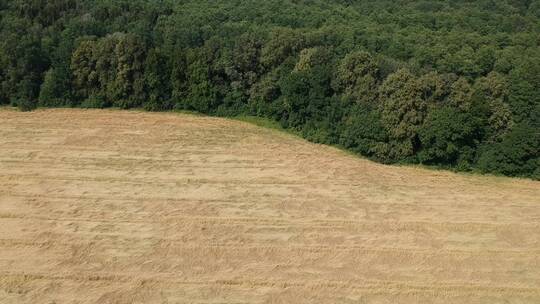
450 83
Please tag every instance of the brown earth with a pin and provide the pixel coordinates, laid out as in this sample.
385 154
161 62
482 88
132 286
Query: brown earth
130 207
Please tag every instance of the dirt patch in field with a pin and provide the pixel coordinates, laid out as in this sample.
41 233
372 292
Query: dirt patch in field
131 207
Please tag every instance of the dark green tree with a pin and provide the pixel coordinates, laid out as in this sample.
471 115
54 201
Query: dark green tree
449 137
157 81
518 154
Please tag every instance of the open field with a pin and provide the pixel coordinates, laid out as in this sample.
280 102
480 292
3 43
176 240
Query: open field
129 207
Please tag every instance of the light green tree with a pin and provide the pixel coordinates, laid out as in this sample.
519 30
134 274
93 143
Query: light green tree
403 111
357 77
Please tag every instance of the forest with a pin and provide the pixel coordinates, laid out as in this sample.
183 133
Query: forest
453 84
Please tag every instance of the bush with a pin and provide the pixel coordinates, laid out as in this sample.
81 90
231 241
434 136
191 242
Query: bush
517 155
54 89
363 132
447 136
26 105
95 102
154 105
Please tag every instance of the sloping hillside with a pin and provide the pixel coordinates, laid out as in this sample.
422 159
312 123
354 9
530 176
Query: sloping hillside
128 207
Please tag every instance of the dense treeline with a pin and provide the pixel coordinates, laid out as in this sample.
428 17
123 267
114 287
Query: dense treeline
452 83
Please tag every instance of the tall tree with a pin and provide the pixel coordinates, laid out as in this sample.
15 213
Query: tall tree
357 76
403 111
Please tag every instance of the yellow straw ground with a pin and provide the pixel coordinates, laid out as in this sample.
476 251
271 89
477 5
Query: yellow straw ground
130 207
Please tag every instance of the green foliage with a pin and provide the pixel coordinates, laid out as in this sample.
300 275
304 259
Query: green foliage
402 111
128 84
524 88
461 94
260 121
156 79
357 77
518 154
55 90
95 102
113 67
283 43
449 137
306 95
25 105
492 91
202 95
435 87
448 83
363 132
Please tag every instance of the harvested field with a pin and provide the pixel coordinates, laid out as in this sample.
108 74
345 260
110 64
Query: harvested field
130 207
